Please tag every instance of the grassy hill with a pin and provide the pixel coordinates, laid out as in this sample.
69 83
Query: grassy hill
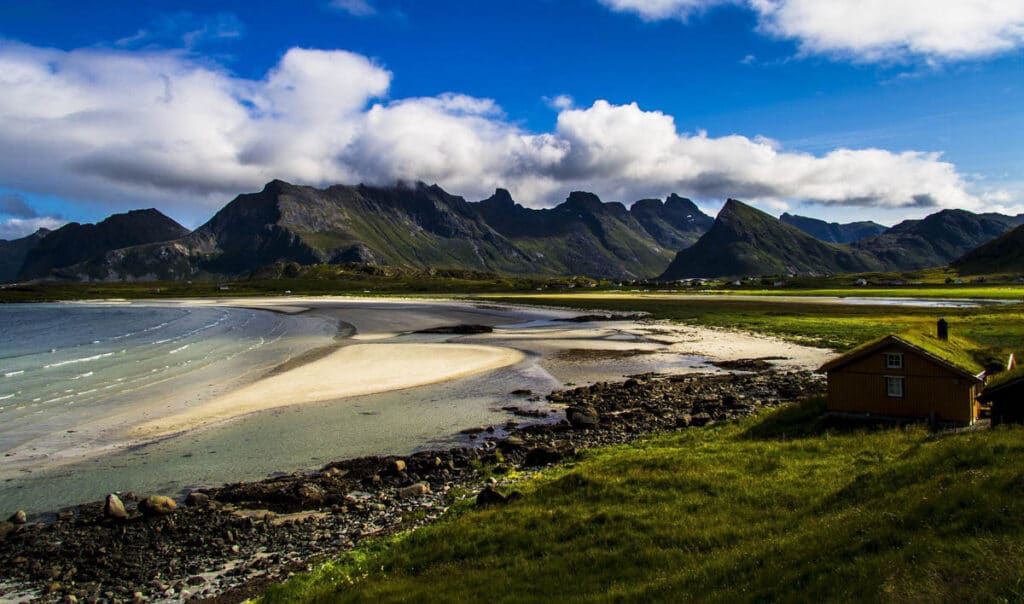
1004 254
935 240
779 507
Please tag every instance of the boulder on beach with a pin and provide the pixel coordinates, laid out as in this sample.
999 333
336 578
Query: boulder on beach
196 499
543 455
7 527
310 493
414 490
18 517
157 505
114 508
582 416
489 496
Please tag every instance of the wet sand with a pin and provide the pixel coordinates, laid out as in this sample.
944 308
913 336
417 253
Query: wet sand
354 370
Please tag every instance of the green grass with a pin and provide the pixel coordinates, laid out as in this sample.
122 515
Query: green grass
283 279
993 292
774 508
838 326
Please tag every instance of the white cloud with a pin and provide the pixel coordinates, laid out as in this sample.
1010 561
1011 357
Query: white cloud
132 128
663 9
635 148
884 29
871 30
16 228
560 102
359 8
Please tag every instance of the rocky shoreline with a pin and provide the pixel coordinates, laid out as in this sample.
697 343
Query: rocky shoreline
229 543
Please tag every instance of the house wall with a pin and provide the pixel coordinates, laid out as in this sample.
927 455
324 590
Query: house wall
860 387
1008 404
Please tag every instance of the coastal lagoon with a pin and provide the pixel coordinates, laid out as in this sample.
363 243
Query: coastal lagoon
166 397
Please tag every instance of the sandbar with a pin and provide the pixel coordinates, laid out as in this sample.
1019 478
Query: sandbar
353 370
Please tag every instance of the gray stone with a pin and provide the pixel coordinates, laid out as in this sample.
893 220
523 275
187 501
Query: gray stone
414 490
310 493
196 499
7 527
542 455
582 416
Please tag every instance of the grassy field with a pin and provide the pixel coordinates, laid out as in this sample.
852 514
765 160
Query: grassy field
838 326
775 508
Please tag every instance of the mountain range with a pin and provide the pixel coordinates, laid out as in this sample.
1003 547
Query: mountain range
746 241
935 240
421 226
834 232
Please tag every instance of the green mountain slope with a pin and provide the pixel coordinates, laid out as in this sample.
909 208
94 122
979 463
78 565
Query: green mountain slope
746 241
935 240
1005 254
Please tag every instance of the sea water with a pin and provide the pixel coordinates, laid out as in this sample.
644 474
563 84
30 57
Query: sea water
69 368
69 373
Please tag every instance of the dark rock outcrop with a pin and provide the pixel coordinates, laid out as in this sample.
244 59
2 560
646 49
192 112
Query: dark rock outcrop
14 252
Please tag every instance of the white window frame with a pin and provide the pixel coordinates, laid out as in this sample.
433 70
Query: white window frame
894 356
890 380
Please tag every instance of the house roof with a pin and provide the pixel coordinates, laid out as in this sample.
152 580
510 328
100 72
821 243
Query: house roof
1002 380
957 354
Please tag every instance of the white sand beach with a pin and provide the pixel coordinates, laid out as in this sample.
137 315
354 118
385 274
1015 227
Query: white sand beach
349 371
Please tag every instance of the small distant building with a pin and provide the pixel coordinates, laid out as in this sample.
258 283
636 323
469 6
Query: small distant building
924 376
1005 393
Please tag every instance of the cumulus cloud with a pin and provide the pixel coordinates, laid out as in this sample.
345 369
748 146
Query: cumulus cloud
133 128
881 29
871 30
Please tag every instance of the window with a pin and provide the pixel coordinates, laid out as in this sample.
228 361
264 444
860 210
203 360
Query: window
894 386
894 360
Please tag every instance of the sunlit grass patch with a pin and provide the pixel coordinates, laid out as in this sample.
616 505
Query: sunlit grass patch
777 507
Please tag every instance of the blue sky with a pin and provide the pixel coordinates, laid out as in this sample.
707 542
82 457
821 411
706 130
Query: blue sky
893 110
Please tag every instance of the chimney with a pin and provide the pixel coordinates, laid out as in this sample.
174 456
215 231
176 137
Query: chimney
942 330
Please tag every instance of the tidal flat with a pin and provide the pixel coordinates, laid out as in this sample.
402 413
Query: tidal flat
375 386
